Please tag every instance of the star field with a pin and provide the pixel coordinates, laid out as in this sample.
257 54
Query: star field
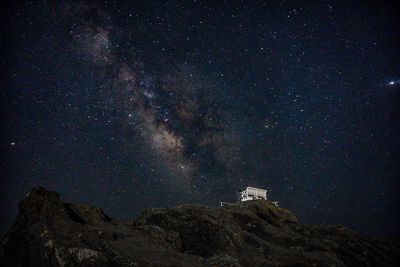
131 104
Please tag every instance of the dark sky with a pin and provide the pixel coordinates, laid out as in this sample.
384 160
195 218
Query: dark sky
131 104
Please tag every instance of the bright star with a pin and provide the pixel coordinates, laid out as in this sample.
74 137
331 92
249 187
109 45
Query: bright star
393 82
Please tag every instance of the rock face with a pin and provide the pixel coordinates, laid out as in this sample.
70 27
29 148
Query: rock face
49 232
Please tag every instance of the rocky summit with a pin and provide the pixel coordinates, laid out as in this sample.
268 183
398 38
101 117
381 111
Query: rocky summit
50 232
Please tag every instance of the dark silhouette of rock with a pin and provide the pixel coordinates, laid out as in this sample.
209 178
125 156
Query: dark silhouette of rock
49 232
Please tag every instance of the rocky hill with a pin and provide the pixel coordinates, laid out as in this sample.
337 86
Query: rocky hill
50 232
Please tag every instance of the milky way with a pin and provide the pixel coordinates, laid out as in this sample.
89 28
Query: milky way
177 111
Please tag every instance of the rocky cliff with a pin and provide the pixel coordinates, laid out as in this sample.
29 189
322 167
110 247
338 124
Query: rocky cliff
50 232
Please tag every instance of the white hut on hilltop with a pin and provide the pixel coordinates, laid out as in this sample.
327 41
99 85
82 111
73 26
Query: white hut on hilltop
252 193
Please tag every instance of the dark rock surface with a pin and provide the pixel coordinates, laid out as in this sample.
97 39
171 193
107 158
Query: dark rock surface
49 232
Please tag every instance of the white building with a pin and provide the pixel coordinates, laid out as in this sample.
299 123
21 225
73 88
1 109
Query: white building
252 193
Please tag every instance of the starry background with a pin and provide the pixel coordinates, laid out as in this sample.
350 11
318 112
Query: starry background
131 104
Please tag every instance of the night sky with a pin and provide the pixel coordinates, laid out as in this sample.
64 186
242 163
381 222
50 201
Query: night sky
129 104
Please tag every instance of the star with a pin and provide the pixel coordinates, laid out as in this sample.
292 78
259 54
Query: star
393 82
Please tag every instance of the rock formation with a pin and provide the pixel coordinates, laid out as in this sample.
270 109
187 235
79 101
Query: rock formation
50 232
